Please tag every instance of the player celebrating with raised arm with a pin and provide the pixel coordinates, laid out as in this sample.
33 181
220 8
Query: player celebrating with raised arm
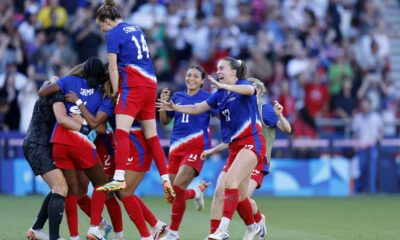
241 128
190 137
133 79
271 117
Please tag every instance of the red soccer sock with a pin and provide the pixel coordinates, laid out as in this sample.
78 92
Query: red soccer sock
114 210
98 200
245 211
257 216
230 202
148 215
178 208
190 194
85 204
71 212
157 153
214 224
135 213
122 149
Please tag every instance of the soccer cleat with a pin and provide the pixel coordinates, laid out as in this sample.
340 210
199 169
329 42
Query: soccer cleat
38 234
199 200
218 235
169 194
76 238
157 232
170 236
264 231
146 238
250 234
94 234
114 185
105 228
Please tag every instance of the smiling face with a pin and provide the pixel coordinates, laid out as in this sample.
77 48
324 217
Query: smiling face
225 73
193 80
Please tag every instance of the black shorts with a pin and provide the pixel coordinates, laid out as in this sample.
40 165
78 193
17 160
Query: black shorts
38 157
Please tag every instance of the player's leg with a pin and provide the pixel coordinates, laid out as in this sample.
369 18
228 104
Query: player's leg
240 171
131 203
123 125
217 203
115 213
150 133
244 209
97 178
259 218
71 202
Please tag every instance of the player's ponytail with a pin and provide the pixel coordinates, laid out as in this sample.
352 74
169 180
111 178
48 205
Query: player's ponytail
239 66
108 10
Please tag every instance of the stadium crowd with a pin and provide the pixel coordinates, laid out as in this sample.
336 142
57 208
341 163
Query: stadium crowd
319 58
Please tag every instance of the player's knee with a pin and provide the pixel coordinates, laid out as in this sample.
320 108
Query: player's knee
61 188
219 193
181 182
232 183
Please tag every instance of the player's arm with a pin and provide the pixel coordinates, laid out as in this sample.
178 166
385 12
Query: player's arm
247 90
66 121
188 109
283 124
164 118
207 153
113 71
93 121
49 87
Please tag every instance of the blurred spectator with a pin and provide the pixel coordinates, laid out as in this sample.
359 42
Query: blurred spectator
304 125
11 83
53 15
337 72
26 101
149 14
86 34
287 101
62 53
316 95
374 88
10 50
28 27
345 103
367 127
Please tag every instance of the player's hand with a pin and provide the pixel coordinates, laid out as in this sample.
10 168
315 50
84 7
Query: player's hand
165 94
215 83
278 108
71 97
78 118
53 79
205 154
163 105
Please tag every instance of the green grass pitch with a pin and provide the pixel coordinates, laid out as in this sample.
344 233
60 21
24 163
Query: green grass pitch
361 217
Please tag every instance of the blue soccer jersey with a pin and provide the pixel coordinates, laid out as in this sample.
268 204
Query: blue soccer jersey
133 56
94 102
239 114
190 131
269 117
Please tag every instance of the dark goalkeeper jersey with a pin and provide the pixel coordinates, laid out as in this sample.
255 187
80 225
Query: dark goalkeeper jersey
43 119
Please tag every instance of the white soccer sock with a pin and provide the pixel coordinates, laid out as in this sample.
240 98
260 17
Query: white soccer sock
119 234
224 224
250 227
119 175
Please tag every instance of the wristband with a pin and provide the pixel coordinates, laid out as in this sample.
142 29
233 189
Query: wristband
78 102
84 122
84 129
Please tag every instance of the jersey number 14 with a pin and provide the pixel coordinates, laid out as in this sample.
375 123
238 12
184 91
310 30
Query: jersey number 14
142 48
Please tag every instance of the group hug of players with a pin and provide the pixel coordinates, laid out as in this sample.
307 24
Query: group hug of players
98 124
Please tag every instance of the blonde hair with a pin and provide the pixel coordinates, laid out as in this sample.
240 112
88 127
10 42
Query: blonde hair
258 85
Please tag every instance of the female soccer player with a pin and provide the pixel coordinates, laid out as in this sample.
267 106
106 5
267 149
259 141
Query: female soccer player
37 151
133 79
190 137
139 161
271 117
241 128
72 150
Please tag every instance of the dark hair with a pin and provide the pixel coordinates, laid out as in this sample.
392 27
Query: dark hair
238 65
92 70
107 10
201 70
